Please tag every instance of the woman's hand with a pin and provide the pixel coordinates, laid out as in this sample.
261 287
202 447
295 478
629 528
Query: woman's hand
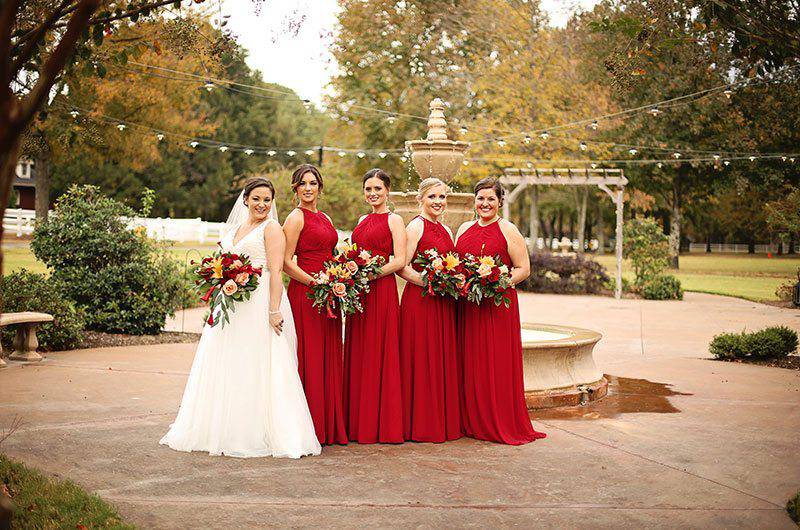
276 321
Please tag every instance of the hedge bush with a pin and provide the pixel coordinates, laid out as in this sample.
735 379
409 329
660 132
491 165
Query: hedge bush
123 281
647 247
29 291
793 507
662 287
564 274
768 343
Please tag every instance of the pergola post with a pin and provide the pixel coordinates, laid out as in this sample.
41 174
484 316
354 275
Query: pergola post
533 217
619 204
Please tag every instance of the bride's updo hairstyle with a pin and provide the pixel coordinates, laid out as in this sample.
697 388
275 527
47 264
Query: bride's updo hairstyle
381 174
297 176
428 183
257 182
491 183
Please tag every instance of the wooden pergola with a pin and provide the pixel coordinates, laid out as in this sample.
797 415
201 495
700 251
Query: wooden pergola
611 181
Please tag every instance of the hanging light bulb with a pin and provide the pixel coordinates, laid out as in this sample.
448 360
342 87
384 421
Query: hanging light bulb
752 158
194 143
465 162
654 111
74 113
727 162
529 164
583 146
660 165
594 166
361 154
728 92
160 136
783 158
209 86
290 153
307 103
632 151
462 130
527 138
391 119
501 142
309 152
716 157
341 153
223 148
403 158
545 135
382 154
121 126
270 153
791 160
593 126
248 152
676 155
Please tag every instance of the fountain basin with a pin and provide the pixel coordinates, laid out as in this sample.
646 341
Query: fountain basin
559 369
460 208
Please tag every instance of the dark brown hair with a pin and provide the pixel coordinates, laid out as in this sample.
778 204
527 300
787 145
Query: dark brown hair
257 182
381 174
297 176
491 183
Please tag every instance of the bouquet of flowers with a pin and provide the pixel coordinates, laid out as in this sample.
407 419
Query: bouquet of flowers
343 279
225 278
442 275
487 278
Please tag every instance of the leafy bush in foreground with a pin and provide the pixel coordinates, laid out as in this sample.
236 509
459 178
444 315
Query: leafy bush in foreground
768 343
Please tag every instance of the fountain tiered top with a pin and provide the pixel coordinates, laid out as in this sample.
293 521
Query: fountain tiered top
436 155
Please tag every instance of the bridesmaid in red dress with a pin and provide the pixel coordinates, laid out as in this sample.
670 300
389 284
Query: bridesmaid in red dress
311 237
371 349
428 343
494 396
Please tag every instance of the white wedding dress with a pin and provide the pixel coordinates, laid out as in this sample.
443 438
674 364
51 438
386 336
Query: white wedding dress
244 397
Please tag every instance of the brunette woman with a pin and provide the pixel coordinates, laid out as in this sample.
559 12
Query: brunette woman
428 345
489 335
371 350
311 238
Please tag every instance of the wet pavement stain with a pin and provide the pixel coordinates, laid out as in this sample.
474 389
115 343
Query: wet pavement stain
625 396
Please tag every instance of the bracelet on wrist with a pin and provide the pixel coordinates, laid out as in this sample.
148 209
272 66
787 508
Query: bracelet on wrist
275 312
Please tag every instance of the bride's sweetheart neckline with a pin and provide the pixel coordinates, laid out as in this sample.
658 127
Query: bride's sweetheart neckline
247 234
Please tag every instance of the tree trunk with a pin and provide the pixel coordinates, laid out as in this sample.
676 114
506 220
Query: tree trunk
583 197
560 232
751 245
675 223
41 178
792 243
601 232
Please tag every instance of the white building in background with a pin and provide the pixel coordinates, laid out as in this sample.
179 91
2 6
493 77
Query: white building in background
25 185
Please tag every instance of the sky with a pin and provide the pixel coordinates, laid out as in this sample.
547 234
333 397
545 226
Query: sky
299 57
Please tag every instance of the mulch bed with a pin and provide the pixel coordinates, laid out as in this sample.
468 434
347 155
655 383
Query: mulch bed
790 363
95 339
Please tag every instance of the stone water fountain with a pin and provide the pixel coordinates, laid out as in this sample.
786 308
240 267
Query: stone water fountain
559 369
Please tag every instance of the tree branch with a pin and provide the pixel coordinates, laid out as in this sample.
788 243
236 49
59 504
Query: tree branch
55 64
8 13
37 35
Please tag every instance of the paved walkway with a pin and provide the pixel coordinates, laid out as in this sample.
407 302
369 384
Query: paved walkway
715 445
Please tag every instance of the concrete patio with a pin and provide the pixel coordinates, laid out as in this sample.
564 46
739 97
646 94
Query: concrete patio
683 441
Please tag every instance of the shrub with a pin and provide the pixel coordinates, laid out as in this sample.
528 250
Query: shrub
793 507
29 291
124 282
662 287
646 245
768 343
564 274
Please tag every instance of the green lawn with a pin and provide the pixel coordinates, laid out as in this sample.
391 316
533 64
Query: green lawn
43 502
754 277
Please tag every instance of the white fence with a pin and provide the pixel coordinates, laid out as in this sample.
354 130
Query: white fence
21 222
739 248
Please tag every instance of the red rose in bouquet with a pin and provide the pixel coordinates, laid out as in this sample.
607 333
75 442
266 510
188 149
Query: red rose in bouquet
442 275
487 278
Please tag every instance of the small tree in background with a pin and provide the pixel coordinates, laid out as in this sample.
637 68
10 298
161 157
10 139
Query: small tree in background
122 280
646 245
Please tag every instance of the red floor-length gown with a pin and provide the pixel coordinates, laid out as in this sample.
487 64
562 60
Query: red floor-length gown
371 349
319 338
489 337
429 354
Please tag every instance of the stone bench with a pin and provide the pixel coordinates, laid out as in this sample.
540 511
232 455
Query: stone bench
25 342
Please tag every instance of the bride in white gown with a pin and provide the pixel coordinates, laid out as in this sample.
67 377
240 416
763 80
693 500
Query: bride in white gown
244 397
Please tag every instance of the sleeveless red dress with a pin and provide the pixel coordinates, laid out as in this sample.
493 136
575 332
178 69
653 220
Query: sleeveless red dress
429 354
371 349
489 336
319 338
